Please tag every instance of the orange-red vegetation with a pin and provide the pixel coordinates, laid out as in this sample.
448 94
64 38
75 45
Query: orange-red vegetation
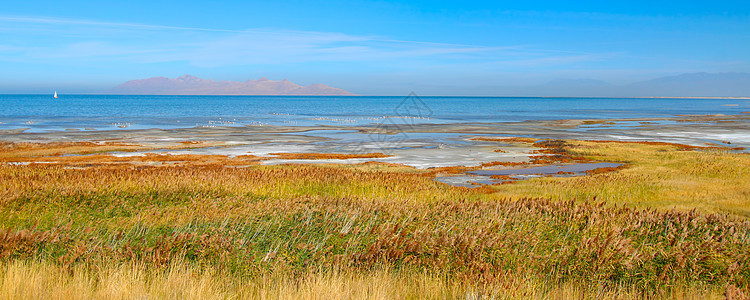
557 159
450 170
387 164
8 151
504 163
163 159
88 154
603 170
593 122
675 145
61 151
290 220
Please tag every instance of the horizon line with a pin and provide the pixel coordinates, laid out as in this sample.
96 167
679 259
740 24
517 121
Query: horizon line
365 96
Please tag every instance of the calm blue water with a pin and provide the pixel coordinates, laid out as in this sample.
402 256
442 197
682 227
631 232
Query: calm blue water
106 112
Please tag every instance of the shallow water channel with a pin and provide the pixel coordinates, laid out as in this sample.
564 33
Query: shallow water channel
479 177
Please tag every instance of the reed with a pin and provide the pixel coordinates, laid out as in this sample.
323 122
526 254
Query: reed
655 175
34 280
215 230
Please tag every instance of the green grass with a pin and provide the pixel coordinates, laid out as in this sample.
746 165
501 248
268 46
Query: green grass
657 176
318 226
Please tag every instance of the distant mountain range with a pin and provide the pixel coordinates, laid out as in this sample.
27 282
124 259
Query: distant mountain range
191 85
695 85
684 85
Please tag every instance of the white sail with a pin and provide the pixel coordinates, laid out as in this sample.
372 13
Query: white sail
55 94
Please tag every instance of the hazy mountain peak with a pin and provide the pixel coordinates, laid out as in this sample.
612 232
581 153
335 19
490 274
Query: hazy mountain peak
187 77
576 82
192 85
703 76
701 84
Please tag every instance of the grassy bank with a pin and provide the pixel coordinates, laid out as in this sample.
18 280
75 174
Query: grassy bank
374 231
656 175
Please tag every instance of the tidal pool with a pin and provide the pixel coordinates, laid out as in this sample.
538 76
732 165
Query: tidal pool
480 177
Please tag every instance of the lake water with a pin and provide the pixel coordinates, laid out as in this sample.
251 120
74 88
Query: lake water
40 113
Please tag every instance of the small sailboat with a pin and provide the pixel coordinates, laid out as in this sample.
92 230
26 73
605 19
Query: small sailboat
55 95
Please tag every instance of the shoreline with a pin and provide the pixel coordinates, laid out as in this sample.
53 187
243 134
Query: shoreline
155 193
396 96
420 146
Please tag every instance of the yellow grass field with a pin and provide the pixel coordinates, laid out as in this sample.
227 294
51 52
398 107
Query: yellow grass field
657 175
673 223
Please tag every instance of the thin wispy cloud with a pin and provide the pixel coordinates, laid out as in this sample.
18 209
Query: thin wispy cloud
41 20
92 41
366 46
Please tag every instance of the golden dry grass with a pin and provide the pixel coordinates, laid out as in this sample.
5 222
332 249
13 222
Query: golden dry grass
204 228
660 175
33 280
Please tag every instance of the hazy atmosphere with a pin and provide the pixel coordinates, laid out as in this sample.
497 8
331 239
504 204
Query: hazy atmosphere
374 150
503 48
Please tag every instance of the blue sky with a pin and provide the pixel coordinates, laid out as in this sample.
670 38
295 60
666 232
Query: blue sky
367 47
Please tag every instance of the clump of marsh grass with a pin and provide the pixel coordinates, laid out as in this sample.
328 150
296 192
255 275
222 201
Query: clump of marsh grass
317 227
654 174
480 241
